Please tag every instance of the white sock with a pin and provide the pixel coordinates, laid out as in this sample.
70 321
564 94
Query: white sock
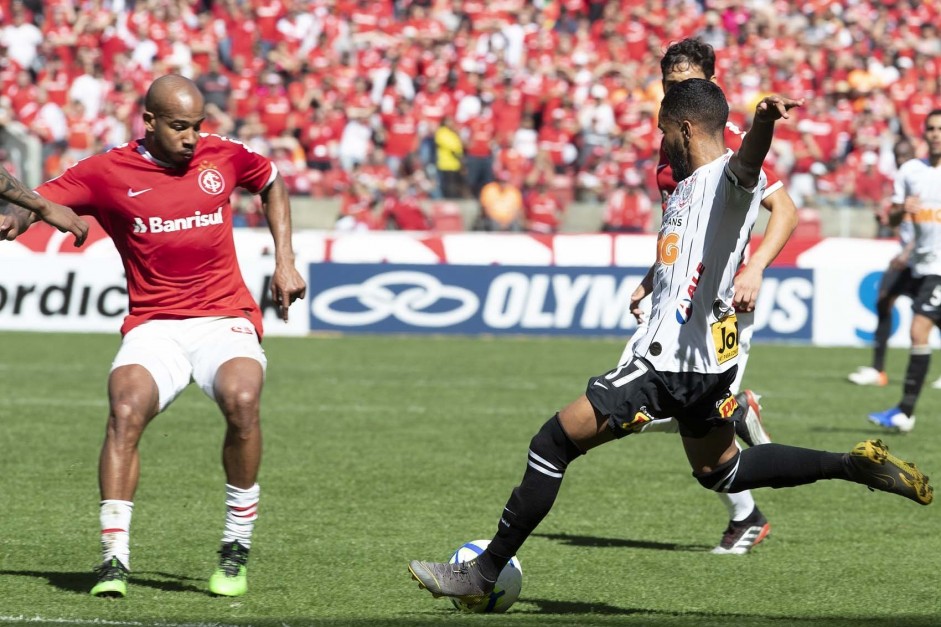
115 517
241 512
660 425
739 504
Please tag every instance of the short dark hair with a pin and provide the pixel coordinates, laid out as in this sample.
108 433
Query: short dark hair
693 51
699 101
932 113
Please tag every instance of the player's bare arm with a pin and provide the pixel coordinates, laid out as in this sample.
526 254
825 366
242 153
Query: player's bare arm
639 293
287 285
59 216
780 227
14 221
897 213
746 163
899 261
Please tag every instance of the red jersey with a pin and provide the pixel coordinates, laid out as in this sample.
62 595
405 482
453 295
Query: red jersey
401 134
173 228
733 141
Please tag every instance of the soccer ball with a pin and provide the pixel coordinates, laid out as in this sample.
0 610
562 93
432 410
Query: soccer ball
508 586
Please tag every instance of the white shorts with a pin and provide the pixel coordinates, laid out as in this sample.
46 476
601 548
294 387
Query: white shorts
176 352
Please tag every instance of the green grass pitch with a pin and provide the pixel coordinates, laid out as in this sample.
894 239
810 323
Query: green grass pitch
383 449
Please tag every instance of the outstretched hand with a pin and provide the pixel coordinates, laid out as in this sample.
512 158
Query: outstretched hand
65 220
286 287
13 222
775 107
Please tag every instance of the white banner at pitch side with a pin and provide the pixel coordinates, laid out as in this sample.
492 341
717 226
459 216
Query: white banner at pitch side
826 298
77 293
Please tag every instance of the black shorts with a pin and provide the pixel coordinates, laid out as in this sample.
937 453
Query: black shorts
635 393
927 299
898 283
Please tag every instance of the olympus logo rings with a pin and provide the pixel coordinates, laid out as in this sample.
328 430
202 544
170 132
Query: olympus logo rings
378 301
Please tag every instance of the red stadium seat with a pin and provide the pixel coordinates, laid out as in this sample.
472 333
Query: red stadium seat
808 224
563 189
447 216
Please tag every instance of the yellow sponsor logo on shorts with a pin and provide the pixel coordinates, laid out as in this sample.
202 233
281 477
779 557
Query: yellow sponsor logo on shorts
728 407
640 419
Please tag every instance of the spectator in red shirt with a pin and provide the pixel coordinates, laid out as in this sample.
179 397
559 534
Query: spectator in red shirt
543 210
556 143
478 149
400 130
872 186
321 138
628 208
274 107
403 210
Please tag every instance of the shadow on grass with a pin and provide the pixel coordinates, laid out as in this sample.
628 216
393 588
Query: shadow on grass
82 582
596 542
651 618
549 606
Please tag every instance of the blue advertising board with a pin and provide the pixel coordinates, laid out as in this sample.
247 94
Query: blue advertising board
537 300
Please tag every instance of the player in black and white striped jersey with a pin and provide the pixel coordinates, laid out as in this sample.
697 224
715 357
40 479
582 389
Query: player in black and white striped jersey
917 198
685 363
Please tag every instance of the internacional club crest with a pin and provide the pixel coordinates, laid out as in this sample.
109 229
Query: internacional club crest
210 179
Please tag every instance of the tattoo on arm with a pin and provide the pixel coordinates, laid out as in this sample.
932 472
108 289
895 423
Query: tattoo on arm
12 190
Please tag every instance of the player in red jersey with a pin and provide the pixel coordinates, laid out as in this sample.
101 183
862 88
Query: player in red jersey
692 58
164 200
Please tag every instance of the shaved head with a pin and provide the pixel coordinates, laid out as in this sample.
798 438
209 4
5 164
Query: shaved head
174 110
172 93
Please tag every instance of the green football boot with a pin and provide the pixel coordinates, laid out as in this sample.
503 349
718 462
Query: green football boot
112 579
231 578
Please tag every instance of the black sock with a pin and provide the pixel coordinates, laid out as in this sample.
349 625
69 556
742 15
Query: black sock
781 466
550 452
918 362
881 337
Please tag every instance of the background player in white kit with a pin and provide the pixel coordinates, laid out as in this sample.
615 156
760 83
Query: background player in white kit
747 526
684 364
164 200
897 280
917 197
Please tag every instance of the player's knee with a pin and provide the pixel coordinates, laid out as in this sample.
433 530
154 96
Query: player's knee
553 445
237 400
127 420
722 477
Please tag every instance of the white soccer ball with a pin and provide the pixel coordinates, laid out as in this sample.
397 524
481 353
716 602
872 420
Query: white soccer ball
508 586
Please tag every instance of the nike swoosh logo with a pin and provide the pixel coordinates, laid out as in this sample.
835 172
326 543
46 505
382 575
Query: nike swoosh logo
131 193
600 385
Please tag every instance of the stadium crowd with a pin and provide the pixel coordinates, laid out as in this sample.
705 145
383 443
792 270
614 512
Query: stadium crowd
524 105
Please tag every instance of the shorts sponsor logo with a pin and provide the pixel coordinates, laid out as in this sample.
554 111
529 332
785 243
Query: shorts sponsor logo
641 417
727 406
243 330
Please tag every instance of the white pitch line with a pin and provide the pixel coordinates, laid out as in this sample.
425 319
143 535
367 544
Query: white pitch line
111 623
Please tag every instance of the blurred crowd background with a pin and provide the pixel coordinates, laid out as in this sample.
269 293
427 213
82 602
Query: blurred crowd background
398 109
